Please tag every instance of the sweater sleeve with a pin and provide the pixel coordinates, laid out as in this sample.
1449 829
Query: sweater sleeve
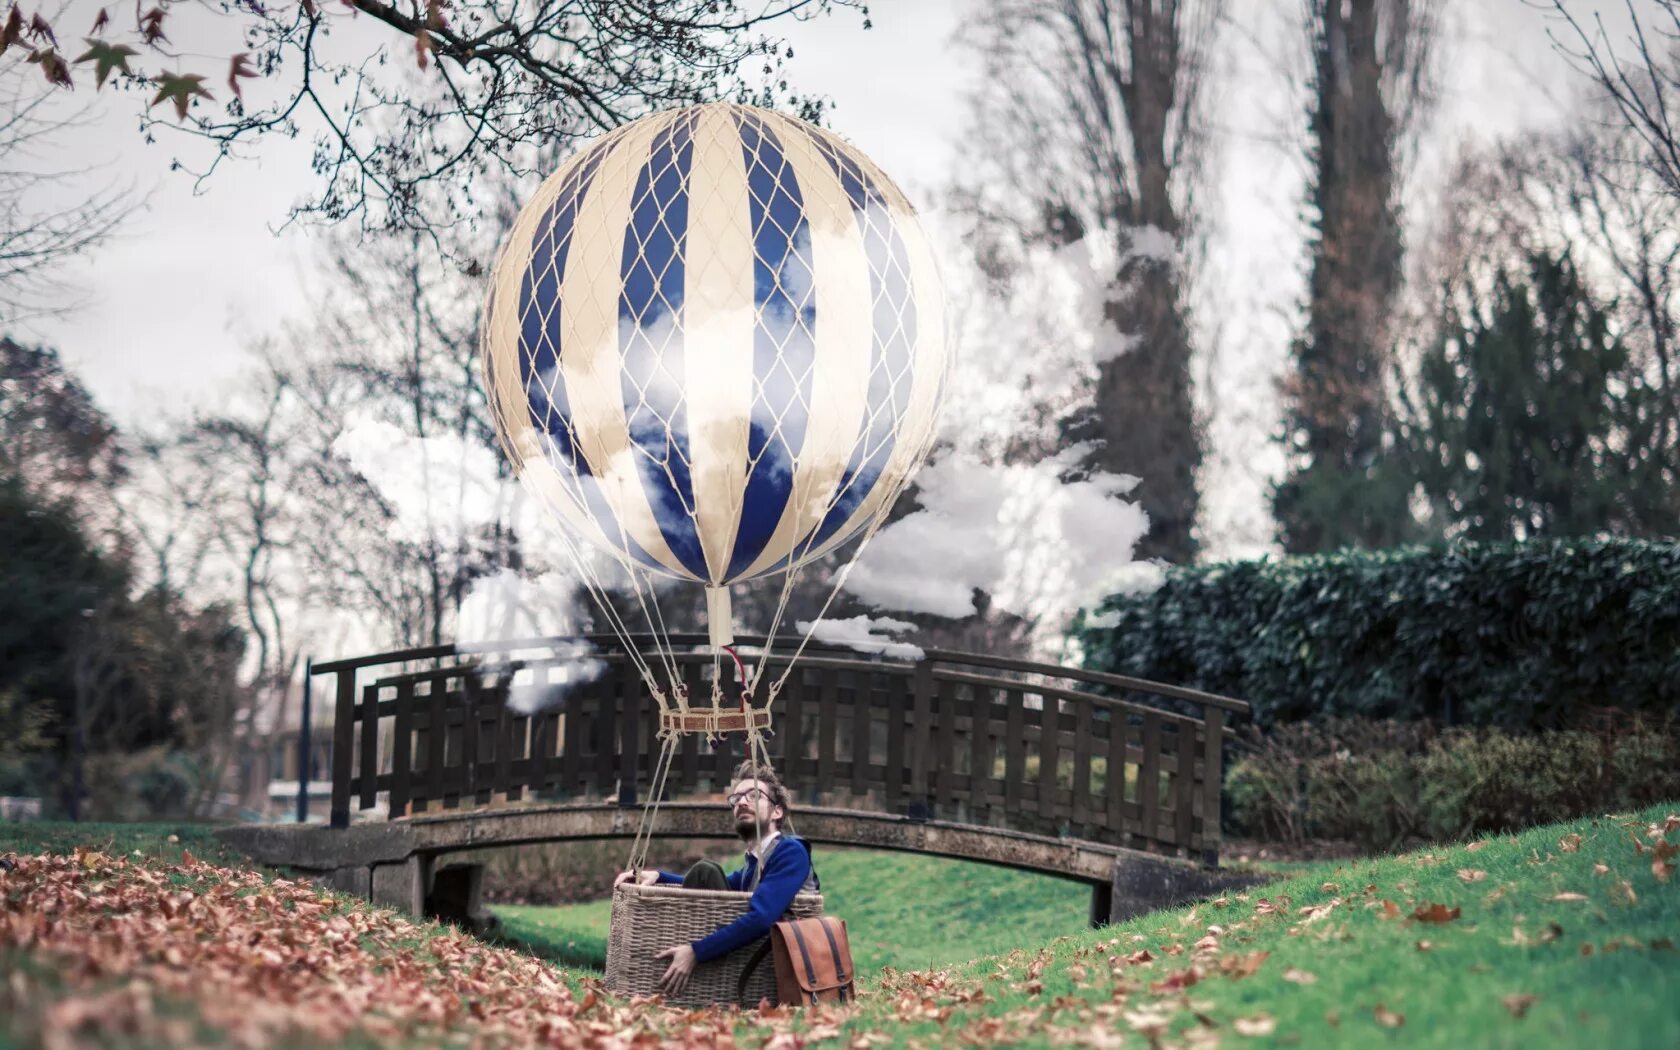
784 874
668 879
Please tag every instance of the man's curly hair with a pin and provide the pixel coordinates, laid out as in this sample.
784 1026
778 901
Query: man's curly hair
772 784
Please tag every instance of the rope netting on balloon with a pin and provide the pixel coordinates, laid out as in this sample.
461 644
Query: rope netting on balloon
713 349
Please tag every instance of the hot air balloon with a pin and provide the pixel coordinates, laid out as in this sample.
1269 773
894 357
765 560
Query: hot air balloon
714 346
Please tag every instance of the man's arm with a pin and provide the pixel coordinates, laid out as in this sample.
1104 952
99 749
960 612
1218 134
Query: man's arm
660 878
784 873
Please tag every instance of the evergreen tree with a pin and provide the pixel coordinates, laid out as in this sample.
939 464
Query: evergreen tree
1518 422
1370 64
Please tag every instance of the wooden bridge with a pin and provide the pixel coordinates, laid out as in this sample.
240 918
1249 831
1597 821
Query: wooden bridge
1109 780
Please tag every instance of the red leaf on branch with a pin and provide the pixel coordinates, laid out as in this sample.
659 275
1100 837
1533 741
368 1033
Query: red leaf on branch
41 29
151 26
239 68
101 20
12 31
53 67
180 89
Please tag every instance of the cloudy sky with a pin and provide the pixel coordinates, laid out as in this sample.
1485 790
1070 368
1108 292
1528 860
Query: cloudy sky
201 272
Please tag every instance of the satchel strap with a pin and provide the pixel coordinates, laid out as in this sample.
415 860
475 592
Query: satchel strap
804 956
834 953
747 970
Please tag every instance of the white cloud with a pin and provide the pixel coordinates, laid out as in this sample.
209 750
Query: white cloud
506 605
1041 548
437 486
859 632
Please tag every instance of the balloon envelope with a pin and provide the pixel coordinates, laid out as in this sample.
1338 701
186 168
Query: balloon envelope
714 342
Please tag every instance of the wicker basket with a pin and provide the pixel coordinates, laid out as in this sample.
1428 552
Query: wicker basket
648 919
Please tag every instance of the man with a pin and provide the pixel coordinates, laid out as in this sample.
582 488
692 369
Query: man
759 803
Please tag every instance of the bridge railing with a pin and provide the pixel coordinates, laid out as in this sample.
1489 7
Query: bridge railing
964 737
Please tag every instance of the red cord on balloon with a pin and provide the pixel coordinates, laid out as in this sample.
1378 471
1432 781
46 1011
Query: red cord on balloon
740 675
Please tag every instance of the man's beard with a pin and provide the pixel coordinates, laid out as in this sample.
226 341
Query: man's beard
750 829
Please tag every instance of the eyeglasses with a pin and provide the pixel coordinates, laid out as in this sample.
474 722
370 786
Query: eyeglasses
752 794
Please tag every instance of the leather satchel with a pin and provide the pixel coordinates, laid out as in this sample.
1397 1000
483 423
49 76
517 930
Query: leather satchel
813 962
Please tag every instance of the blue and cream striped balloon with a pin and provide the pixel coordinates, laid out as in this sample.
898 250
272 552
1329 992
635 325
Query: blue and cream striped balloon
714 342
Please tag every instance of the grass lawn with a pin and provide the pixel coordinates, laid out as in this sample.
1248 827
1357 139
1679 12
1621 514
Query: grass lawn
902 910
163 842
1560 936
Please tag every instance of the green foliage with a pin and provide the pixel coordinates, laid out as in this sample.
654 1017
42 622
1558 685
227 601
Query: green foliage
131 695
1515 635
1382 784
1525 415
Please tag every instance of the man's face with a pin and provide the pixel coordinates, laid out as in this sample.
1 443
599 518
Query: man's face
750 804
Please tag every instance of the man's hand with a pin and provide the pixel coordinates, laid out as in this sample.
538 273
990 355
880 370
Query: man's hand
645 878
682 965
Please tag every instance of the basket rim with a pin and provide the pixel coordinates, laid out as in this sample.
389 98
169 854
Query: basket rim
664 891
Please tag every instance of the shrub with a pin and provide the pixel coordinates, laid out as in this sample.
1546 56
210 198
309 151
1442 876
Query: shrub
1385 784
1521 636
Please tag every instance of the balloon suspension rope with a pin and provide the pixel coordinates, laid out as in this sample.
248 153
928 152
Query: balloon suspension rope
650 812
757 752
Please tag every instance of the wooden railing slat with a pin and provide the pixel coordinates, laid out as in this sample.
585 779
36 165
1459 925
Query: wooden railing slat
368 761
945 753
1184 788
470 694
1114 787
437 736
1079 803
505 718
863 716
402 739
921 732
605 724
1049 755
630 736
1149 778
1015 749
344 729
1211 784
893 774
828 725
980 751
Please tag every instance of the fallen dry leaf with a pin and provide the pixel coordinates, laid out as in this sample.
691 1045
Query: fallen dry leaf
1518 1004
1569 896
1299 976
1258 1025
1570 843
1471 874
1238 966
1388 1018
1435 913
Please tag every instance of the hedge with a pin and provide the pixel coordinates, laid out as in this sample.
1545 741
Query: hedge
1517 635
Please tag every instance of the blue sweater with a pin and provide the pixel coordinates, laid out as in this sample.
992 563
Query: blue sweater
784 873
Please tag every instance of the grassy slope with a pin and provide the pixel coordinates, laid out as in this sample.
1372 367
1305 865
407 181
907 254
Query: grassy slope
901 909
152 840
1602 970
